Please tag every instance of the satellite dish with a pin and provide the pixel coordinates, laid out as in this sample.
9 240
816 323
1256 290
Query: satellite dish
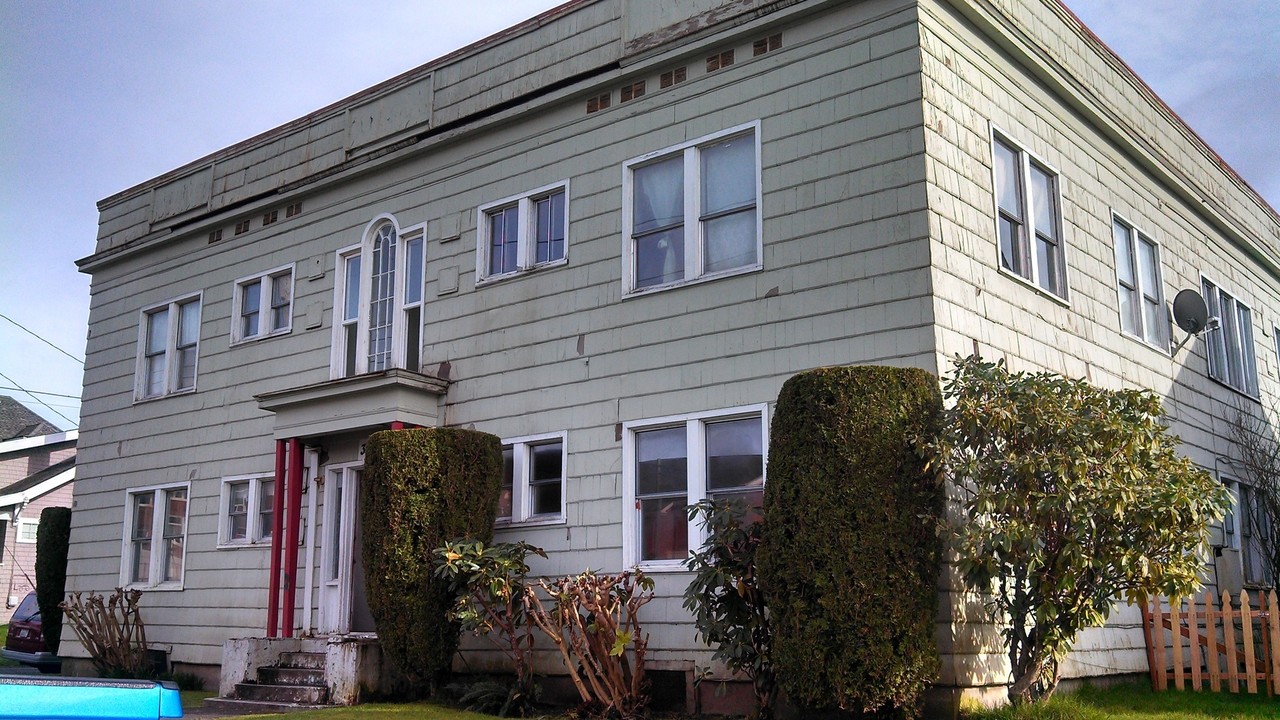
1190 312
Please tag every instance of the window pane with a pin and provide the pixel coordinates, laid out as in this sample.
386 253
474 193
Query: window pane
349 349
175 521
1124 254
413 272
335 532
1214 343
266 508
659 195
412 338
664 529
155 375
661 462
1007 180
143 507
351 289
238 511
1249 383
1128 310
660 258
186 368
382 287
1044 203
1047 262
249 306
1149 267
157 331
1010 242
173 555
730 241
545 477
189 323
1231 338
735 458
729 174
550 228
505 496
504 231
281 298
140 565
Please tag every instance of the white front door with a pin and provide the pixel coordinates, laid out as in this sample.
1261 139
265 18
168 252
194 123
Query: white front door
337 559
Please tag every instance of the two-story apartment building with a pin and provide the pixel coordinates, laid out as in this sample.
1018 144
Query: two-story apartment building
608 235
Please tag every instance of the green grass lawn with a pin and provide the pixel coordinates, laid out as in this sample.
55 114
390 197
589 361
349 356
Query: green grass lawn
4 633
378 711
1139 702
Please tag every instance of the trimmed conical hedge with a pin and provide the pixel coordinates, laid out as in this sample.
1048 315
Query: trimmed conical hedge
850 554
421 488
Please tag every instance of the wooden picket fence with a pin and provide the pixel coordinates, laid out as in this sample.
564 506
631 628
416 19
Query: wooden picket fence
1195 645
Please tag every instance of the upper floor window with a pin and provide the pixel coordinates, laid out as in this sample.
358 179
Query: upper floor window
692 212
246 510
168 348
1142 308
262 305
671 463
1230 345
532 478
378 302
155 537
523 232
1028 217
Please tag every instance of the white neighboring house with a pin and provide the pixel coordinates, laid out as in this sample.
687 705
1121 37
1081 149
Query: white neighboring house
608 235
36 472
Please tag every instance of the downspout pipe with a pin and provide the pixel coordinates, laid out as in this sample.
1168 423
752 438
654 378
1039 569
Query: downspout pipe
277 533
294 506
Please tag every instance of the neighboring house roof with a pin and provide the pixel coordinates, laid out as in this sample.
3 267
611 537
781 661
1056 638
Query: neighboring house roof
40 483
16 421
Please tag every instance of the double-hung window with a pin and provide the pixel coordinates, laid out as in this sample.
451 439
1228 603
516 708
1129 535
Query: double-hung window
262 305
155 535
671 463
1230 345
168 348
533 472
246 510
1028 217
378 302
1142 308
692 211
523 232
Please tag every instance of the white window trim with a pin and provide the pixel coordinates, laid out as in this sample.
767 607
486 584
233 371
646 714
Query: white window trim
693 246
1026 157
264 304
521 498
171 349
1136 236
696 488
157 535
22 523
526 242
1252 349
337 358
253 537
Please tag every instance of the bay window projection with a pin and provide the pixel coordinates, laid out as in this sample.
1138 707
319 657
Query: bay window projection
378 303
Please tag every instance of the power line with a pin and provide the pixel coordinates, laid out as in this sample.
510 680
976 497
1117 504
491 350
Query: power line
37 392
46 342
33 397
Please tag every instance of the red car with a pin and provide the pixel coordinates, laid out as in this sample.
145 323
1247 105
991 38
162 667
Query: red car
25 643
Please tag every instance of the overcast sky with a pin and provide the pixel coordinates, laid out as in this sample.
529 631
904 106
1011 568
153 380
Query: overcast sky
98 96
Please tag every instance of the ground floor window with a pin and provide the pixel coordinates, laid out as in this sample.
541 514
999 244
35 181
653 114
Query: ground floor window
155 537
245 510
672 462
533 472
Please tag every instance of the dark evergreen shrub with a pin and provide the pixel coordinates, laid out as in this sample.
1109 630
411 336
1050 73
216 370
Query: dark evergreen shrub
850 553
420 489
53 537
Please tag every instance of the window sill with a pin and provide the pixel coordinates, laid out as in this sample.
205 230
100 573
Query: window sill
638 292
660 567
1234 389
1145 343
256 338
153 398
549 520
163 587
260 544
1033 286
486 280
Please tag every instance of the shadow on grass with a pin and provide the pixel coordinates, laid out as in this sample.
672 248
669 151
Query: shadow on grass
1139 702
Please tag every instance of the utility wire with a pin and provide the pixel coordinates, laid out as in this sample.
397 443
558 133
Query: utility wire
37 392
33 397
46 342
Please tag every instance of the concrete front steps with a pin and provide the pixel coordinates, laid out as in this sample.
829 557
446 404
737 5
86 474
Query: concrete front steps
295 682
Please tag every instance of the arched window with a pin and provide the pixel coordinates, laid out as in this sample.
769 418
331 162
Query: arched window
378 301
